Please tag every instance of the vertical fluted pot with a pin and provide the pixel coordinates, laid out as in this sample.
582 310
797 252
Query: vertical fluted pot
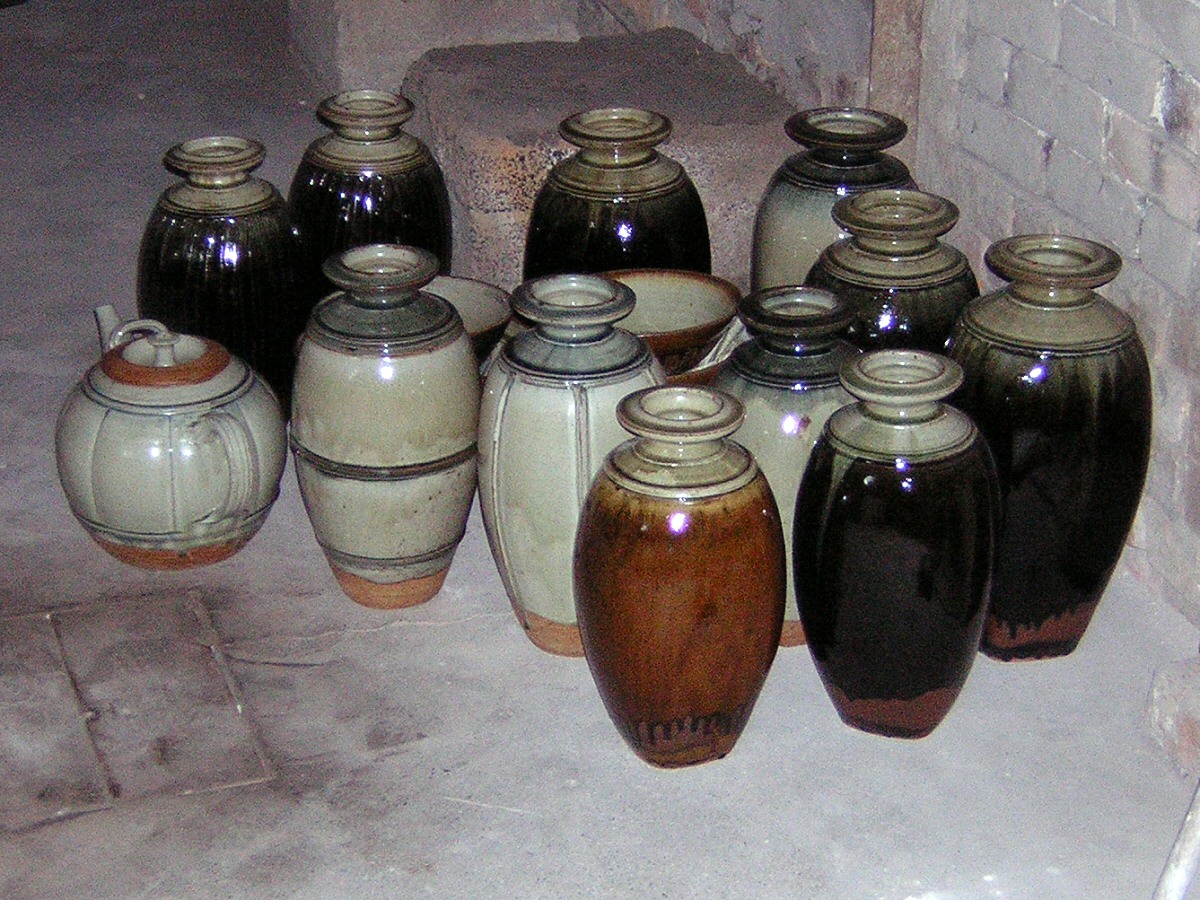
367 181
384 418
894 530
1058 380
679 577
618 203
787 378
219 258
547 419
844 156
906 286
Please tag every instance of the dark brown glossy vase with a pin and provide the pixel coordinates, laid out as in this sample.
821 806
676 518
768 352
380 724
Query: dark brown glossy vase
618 203
894 529
368 182
907 287
1058 381
679 577
219 258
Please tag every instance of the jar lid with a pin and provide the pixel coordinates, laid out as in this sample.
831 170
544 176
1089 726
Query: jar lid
162 358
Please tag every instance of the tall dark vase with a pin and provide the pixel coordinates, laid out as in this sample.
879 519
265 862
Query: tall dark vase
368 182
894 529
219 258
618 203
1058 380
906 286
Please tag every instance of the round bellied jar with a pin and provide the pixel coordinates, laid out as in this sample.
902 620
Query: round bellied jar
787 378
383 426
368 182
170 450
844 156
906 286
1058 380
219 258
894 530
547 420
618 203
679 577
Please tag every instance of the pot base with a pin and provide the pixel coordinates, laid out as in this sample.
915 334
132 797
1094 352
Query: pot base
792 634
391 595
687 741
172 560
1057 636
911 718
553 637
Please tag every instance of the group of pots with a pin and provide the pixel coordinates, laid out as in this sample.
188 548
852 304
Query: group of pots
870 458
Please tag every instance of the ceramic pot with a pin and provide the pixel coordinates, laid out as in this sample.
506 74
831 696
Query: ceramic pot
907 286
367 181
679 577
384 417
484 309
787 378
170 450
618 203
219 258
894 529
547 420
844 156
1057 378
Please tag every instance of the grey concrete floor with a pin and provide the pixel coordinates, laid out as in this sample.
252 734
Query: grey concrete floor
436 752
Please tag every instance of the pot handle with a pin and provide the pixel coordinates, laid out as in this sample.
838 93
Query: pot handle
242 455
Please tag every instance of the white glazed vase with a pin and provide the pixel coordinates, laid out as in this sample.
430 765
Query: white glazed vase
169 450
384 412
547 420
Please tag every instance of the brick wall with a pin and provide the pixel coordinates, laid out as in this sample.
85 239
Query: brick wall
1083 117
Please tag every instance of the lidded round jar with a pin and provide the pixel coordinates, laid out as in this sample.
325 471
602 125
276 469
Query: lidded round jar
679 577
170 450
1058 380
844 156
547 420
219 257
618 203
894 529
368 182
787 378
383 426
907 287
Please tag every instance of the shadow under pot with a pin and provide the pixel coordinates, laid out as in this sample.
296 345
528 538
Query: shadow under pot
1057 378
893 545
844 156
618 203
219 258
383 426
367 182
906 286
679 577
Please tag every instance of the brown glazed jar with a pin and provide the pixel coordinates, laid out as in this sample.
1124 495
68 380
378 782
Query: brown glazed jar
680 577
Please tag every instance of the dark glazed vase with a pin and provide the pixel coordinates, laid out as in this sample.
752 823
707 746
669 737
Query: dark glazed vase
787 378
618 203
219 258
368 182
907 286
894 530
844 156
1058 380
679 577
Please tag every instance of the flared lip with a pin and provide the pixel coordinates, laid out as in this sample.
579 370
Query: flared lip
615 126
365 109
895 212
215 155
852 128
1053 260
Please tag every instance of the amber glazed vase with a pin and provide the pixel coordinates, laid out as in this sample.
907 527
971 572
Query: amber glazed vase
1058 380
679 577
894 531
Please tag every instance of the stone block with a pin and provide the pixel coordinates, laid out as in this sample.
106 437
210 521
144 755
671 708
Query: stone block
1174 712
1111 64
996 136
1063 107
1031 25
1131 149
490 113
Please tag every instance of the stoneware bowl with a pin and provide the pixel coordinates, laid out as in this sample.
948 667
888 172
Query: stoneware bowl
484 308
680 314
